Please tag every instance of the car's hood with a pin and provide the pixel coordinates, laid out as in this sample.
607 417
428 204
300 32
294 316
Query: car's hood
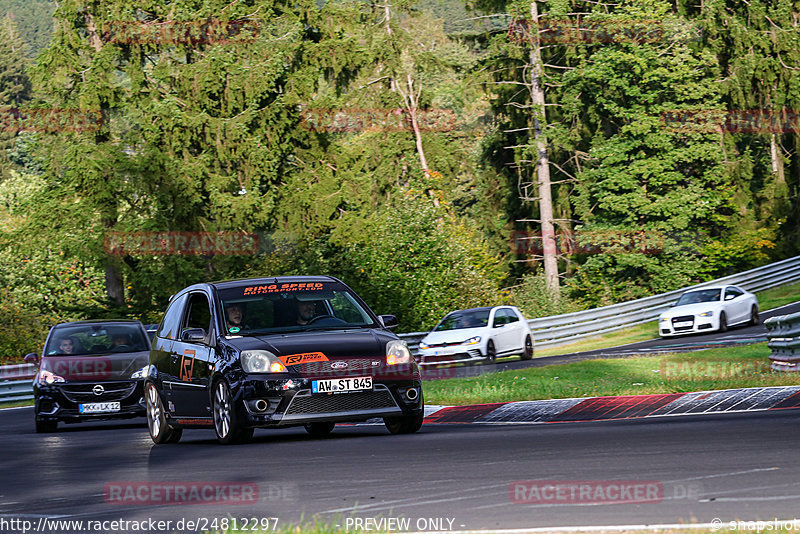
454 336
691 309
339 344
95 367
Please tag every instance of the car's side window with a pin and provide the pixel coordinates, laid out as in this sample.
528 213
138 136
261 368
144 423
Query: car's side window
198 313
732 292
172 319
500 318
512 317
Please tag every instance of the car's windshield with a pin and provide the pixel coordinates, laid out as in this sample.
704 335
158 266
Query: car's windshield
703 295
283 307
97 338
464 319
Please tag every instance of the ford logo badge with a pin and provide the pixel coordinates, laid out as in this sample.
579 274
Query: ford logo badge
339 365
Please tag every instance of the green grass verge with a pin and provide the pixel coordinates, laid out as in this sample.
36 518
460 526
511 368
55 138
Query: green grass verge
778 296
722 368
16 404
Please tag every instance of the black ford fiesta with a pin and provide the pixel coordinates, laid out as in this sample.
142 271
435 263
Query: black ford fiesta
277 352
90 370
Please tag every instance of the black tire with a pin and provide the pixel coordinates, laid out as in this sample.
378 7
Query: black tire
754 320
404 424
527 352
45 426
491 353
319 429
226 420
723 322
160 430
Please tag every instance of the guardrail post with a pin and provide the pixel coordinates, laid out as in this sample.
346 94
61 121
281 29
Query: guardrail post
783 338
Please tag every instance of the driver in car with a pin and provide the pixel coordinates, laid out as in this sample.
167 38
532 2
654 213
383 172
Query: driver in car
120 340
306 310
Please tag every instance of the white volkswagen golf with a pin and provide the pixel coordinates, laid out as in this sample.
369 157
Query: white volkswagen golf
477 334
709 309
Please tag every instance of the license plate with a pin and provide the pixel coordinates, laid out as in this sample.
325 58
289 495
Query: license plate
99 407
682 324
341 384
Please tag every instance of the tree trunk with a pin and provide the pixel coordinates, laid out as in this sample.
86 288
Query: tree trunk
542 162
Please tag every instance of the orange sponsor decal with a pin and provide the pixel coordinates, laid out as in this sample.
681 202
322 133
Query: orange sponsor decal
187 365
282 288
297 359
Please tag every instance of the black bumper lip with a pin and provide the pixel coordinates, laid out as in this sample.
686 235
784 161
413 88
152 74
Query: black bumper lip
131 405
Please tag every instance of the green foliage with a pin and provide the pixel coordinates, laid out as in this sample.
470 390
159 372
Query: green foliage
419 262
531 296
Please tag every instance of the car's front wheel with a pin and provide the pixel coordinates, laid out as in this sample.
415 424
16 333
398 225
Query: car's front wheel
44 426
319 429
491 353
406 424
226 421
160 430
723 322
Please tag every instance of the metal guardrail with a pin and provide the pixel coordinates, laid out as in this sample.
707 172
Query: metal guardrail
16 382
569 327
566 328
783 337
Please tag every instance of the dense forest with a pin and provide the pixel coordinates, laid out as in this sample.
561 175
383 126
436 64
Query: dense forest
435 155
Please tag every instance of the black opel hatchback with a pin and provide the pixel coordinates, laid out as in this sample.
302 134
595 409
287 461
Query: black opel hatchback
90 370
277 352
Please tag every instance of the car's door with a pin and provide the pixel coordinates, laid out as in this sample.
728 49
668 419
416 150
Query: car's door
736 304
161 349
504 330
192 358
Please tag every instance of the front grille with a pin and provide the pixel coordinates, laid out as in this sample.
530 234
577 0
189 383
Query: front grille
451 357
358 365
304 403
681 319
114 391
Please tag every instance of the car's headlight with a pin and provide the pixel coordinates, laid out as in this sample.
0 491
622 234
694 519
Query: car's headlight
424 346
706 314
397 352
47 378
261 361
473 340
663 319
141 373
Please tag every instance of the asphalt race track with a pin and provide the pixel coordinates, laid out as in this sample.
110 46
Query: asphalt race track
734 336
736 466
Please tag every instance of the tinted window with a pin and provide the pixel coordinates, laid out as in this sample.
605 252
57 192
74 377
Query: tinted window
264 308
198 313
172 319
97 338
701 295
464 319
733 291
512 317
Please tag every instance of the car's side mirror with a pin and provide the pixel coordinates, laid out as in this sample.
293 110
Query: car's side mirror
388 321
32 358
193 335
730 297
497 324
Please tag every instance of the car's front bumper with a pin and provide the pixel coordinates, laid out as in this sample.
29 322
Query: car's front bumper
61 402
290 401
687 324
449 355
